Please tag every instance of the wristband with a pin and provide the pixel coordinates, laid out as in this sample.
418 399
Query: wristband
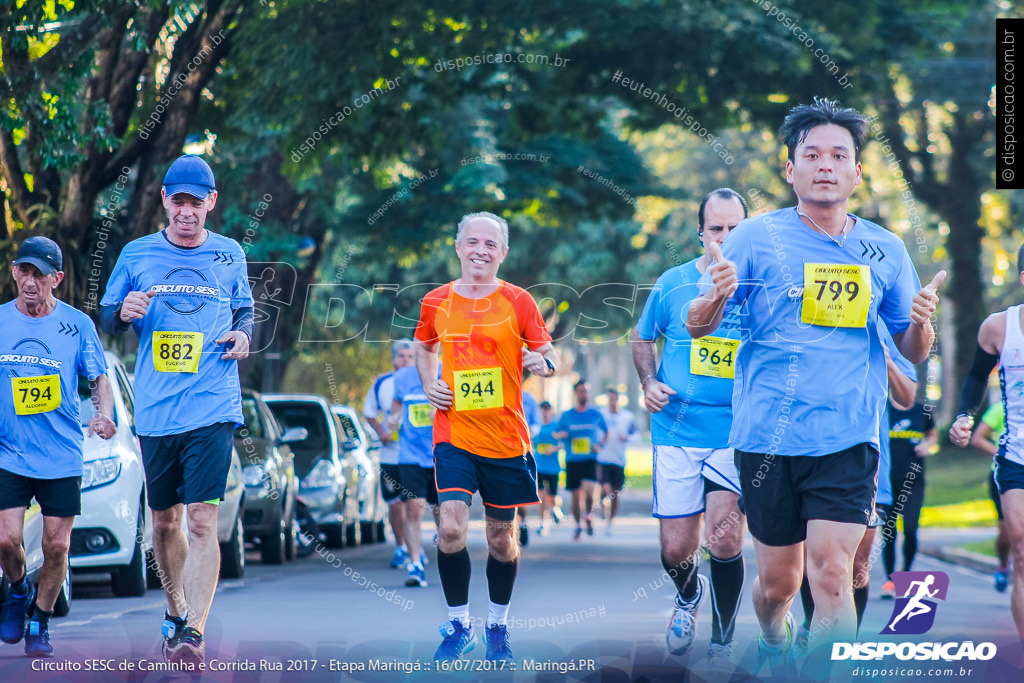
551 366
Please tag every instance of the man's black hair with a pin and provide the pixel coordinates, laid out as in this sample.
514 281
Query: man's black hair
721 193
1020 259
803 117
582 381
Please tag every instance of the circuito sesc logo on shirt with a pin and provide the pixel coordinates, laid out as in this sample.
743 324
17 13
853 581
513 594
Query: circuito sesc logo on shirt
186 290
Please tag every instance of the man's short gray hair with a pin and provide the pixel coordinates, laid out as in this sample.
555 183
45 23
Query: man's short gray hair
400 345
483 214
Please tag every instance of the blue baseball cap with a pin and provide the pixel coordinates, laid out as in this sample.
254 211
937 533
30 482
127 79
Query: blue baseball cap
189 174
41 252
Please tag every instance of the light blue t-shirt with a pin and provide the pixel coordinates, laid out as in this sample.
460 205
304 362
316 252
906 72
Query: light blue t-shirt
699 415
545 450
197 291
585 430
41 359
801 388
531 410
884 457
416 435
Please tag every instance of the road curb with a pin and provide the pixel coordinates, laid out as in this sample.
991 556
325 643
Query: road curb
964 558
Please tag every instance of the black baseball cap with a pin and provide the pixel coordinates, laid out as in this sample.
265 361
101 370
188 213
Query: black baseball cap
545 404
189 174
41 252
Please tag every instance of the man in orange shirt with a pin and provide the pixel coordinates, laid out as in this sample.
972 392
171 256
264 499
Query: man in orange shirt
481 439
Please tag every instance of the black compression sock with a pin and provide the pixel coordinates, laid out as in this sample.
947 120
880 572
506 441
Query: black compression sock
455 569
684 575
808 602
726 592
501 577
860 601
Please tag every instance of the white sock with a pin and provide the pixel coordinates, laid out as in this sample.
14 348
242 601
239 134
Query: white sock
497 614
461 612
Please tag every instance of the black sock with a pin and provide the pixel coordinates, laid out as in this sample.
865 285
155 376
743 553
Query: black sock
684 576
454 569
807 599
726 592
41 616
501 577
860 601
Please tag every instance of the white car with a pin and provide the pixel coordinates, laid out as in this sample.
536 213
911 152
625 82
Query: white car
115 530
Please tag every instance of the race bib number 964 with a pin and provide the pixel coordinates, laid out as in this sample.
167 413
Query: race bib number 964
836 295
478 389
34 395
177 351
714 357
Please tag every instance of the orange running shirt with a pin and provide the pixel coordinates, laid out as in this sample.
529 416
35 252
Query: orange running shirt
482 361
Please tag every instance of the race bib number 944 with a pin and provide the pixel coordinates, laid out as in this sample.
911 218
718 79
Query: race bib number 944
836 295
34 395
714 357
478 389
177 351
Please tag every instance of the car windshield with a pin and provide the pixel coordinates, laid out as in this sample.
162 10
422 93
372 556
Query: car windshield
311 416
346 425
251 417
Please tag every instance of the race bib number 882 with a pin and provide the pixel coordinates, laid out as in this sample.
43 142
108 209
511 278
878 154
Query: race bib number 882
177 351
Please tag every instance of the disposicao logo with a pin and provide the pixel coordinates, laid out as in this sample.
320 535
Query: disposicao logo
914 613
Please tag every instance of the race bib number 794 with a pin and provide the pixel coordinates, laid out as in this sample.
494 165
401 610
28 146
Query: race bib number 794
34 395
177 351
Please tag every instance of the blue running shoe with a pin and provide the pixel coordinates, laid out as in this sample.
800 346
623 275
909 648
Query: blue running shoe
778 658
496 640
400 558
37 640
172 630
416 578
458 640
15 611
1001 581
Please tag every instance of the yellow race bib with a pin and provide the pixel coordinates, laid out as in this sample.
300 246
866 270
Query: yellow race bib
421 414
836 295
177 351
546 449
580 445
478 389
714 357
34 395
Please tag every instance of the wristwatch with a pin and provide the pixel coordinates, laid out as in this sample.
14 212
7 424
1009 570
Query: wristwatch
551 366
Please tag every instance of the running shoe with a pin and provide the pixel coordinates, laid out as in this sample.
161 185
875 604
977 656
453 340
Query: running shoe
37 640
416 577
590 525
172 629
496 640
1001 581
682 628
188 647
15 611
576 534
458 640
803 636
720 657
556 514
888 590
400 558
524 535
777 657
541 531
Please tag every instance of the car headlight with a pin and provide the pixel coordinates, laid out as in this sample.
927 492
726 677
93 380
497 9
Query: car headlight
255 476
99 472
320 476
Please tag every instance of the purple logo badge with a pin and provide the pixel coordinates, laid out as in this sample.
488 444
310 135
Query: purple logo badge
914 612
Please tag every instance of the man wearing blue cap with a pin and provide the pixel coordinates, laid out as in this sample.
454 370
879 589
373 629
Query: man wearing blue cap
185 292
46 345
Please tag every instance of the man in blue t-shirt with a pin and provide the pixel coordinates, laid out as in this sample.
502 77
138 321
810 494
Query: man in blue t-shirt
690 399
546 449
584 430
185 292
45 346
812 281
411 409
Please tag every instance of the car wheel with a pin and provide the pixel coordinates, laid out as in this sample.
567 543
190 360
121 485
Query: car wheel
130 581
291 532
232 553
382 535
333 535
368 531
353 534
272 545
62 606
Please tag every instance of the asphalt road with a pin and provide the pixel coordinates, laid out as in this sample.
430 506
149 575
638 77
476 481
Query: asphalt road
600 604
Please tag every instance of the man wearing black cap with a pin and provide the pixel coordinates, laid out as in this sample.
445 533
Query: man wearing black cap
185 292
46 345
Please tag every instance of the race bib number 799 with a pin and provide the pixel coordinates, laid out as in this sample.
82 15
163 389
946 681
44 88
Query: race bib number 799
836 295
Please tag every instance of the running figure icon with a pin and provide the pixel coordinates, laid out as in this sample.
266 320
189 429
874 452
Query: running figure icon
915 606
